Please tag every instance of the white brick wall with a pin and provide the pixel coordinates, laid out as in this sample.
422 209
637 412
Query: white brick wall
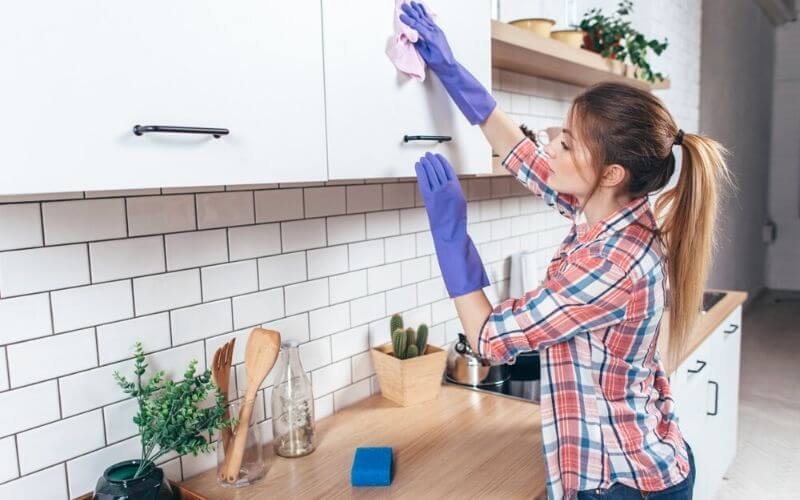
184 270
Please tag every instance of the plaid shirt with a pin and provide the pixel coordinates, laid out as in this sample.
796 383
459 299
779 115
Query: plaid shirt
606 404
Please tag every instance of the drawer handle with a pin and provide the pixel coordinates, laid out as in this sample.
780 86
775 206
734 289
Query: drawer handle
698 370
733 329
216 132
716 398
437 138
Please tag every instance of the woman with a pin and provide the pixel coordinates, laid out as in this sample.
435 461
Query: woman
608 419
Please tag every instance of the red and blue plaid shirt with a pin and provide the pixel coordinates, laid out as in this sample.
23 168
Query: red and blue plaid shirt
606 404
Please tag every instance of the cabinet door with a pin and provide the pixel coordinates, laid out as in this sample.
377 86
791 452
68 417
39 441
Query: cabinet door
371 106
689 384
78 75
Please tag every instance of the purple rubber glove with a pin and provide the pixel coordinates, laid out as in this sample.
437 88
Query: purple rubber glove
466 91
462 269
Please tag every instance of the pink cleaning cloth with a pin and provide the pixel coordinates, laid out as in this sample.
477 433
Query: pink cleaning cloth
401 49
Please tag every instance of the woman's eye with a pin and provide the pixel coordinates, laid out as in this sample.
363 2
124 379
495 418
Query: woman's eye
564 145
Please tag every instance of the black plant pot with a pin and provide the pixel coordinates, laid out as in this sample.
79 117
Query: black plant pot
117 483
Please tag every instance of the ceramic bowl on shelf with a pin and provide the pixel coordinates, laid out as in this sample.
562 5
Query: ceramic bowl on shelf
539 25
573 38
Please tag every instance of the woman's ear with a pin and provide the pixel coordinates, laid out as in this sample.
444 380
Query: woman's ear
613 175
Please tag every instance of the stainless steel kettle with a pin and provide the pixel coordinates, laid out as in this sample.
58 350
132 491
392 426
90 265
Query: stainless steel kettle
465 367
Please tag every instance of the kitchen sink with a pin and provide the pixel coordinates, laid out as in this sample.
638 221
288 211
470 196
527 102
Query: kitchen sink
710 299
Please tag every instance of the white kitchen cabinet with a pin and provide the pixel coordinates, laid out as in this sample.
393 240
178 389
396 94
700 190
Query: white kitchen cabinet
706 390
77 76
371 107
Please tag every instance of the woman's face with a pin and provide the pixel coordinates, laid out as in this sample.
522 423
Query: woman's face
569 164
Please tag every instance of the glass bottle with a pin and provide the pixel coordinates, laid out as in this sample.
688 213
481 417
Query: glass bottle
292 405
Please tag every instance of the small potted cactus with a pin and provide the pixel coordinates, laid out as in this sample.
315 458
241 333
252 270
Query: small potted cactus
409 370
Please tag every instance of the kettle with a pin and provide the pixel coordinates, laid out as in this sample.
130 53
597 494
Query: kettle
465 367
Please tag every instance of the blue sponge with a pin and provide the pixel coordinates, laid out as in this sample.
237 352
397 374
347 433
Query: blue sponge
372 467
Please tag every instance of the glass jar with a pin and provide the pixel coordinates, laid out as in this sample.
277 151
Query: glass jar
253 467
292 405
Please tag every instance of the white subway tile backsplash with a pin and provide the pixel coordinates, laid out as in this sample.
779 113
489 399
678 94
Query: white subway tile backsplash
362 366
443 310
115 341
201 321
413 220
161 214
28 407
382 224
84 306
400 195
84 471
490 210
291 328
400 247
331 377
323 406
425 244
256 308
21 226
23 318
365 198
367 309
225 209
248 242
303 234
166 291
196 248
501 228
327 261
49 484
322 201
3 370
345 229
415 270
278 205
226 280
8 459
75 436
329 320
380 331
42 269
366 254
401 299
119 259
351 394
315 354
281 270
350 342
431 290
83 220
306 296
118 420
383 278
348 286
52 356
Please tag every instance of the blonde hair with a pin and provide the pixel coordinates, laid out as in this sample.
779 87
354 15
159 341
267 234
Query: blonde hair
622 124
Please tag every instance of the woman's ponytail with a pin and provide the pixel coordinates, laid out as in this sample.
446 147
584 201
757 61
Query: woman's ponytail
687 215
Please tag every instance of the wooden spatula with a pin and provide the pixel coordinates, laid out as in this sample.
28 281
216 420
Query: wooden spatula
259 358
221 374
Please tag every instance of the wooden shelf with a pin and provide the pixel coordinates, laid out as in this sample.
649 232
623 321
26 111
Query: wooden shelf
522 51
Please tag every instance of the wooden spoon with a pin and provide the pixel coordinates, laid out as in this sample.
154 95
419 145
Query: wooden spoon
259 358
221 374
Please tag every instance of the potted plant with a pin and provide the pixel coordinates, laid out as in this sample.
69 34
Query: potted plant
614 38
409 370
172 416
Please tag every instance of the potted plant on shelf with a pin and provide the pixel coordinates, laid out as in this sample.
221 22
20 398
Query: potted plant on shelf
172 416
409 370
613 37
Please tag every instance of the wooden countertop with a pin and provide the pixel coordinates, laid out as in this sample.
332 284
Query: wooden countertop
463 443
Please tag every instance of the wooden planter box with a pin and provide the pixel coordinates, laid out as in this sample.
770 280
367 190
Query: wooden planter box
409 381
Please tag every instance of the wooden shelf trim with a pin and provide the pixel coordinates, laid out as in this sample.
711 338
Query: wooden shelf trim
522 51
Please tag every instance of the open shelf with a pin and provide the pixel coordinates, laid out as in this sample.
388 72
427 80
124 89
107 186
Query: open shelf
522 51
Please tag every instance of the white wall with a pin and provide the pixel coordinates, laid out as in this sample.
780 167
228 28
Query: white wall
783 257
735 109
82 275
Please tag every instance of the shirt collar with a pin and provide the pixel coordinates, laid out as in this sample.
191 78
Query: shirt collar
638 209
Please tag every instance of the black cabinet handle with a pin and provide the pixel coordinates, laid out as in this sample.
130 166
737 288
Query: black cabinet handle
144 129
733 329
437 138
702 365
716 398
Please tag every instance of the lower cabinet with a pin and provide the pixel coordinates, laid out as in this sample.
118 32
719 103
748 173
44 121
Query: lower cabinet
706 392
